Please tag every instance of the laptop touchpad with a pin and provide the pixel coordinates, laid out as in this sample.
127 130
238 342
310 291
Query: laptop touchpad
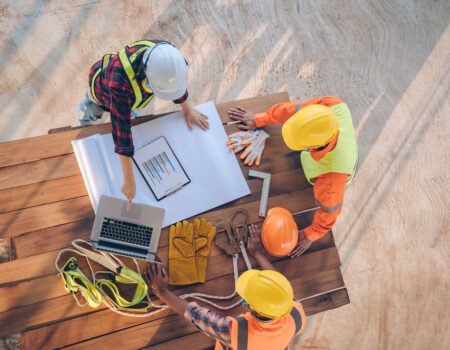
134 212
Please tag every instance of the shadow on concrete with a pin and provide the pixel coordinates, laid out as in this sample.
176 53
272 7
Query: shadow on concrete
400 159
19 35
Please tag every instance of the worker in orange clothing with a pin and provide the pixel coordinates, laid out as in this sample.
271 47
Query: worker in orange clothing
272 318
323 129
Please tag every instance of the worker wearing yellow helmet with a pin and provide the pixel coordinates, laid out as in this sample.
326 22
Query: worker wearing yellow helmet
272 316
322 129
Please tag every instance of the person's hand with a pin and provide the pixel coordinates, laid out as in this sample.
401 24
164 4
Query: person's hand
302 245
194 116
129 190
156 277
246 119
254 244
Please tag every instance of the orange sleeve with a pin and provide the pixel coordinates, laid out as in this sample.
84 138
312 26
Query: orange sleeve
279 113
329 195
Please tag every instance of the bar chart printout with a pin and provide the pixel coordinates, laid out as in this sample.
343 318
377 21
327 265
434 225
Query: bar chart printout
160 168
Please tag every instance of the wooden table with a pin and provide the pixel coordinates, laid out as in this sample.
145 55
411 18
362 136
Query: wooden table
44 206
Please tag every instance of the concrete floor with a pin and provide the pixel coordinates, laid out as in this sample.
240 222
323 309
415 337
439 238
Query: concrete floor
389 60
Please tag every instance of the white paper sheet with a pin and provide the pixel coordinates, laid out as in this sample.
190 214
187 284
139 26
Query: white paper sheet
216 177
92 168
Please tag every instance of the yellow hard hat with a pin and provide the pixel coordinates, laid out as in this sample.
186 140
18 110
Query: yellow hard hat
267 292
311 127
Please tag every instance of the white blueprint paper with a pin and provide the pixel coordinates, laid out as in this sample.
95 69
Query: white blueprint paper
92 167
216 177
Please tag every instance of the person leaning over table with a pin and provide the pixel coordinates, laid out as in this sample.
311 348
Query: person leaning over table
322 129
124 81
273 316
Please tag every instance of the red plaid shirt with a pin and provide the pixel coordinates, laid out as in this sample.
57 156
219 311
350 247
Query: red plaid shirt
115 93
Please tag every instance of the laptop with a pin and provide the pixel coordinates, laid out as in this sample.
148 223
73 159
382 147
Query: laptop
133 233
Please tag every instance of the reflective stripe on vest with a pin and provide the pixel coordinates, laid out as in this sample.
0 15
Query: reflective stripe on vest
297 107
126 64
297 319
343 158
242 329
105 63
242 335
329 210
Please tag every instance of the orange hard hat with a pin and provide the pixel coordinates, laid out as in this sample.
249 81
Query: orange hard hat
279 232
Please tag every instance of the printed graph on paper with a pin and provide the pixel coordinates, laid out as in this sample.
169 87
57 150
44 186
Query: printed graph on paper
160 168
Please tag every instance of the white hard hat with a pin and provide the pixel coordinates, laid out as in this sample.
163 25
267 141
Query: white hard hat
166 71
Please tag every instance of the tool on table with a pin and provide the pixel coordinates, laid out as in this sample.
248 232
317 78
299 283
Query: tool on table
265 190
95 291
237 237
76 282
231 123
240 232
231 247
253 141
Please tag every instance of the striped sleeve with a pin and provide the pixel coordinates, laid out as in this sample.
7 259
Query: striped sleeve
210 323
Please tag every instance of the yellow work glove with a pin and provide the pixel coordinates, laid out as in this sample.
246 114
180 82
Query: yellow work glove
182 268
204 233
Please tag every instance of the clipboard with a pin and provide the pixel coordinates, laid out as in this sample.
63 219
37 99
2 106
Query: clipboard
160 168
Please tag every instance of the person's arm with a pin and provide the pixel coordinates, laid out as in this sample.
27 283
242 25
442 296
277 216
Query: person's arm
329 195
191 114
210 323
255 248
302 245
129 185
120 108
277 114
158 281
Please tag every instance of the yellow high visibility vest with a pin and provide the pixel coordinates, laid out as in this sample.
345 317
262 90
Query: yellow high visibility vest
247 333
126 64
343 158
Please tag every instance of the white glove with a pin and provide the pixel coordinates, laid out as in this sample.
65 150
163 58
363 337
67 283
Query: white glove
254 150
239 140
253 141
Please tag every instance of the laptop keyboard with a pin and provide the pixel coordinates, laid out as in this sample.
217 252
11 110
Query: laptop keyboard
126 232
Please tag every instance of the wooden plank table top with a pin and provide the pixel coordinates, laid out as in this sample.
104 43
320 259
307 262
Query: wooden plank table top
44 206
